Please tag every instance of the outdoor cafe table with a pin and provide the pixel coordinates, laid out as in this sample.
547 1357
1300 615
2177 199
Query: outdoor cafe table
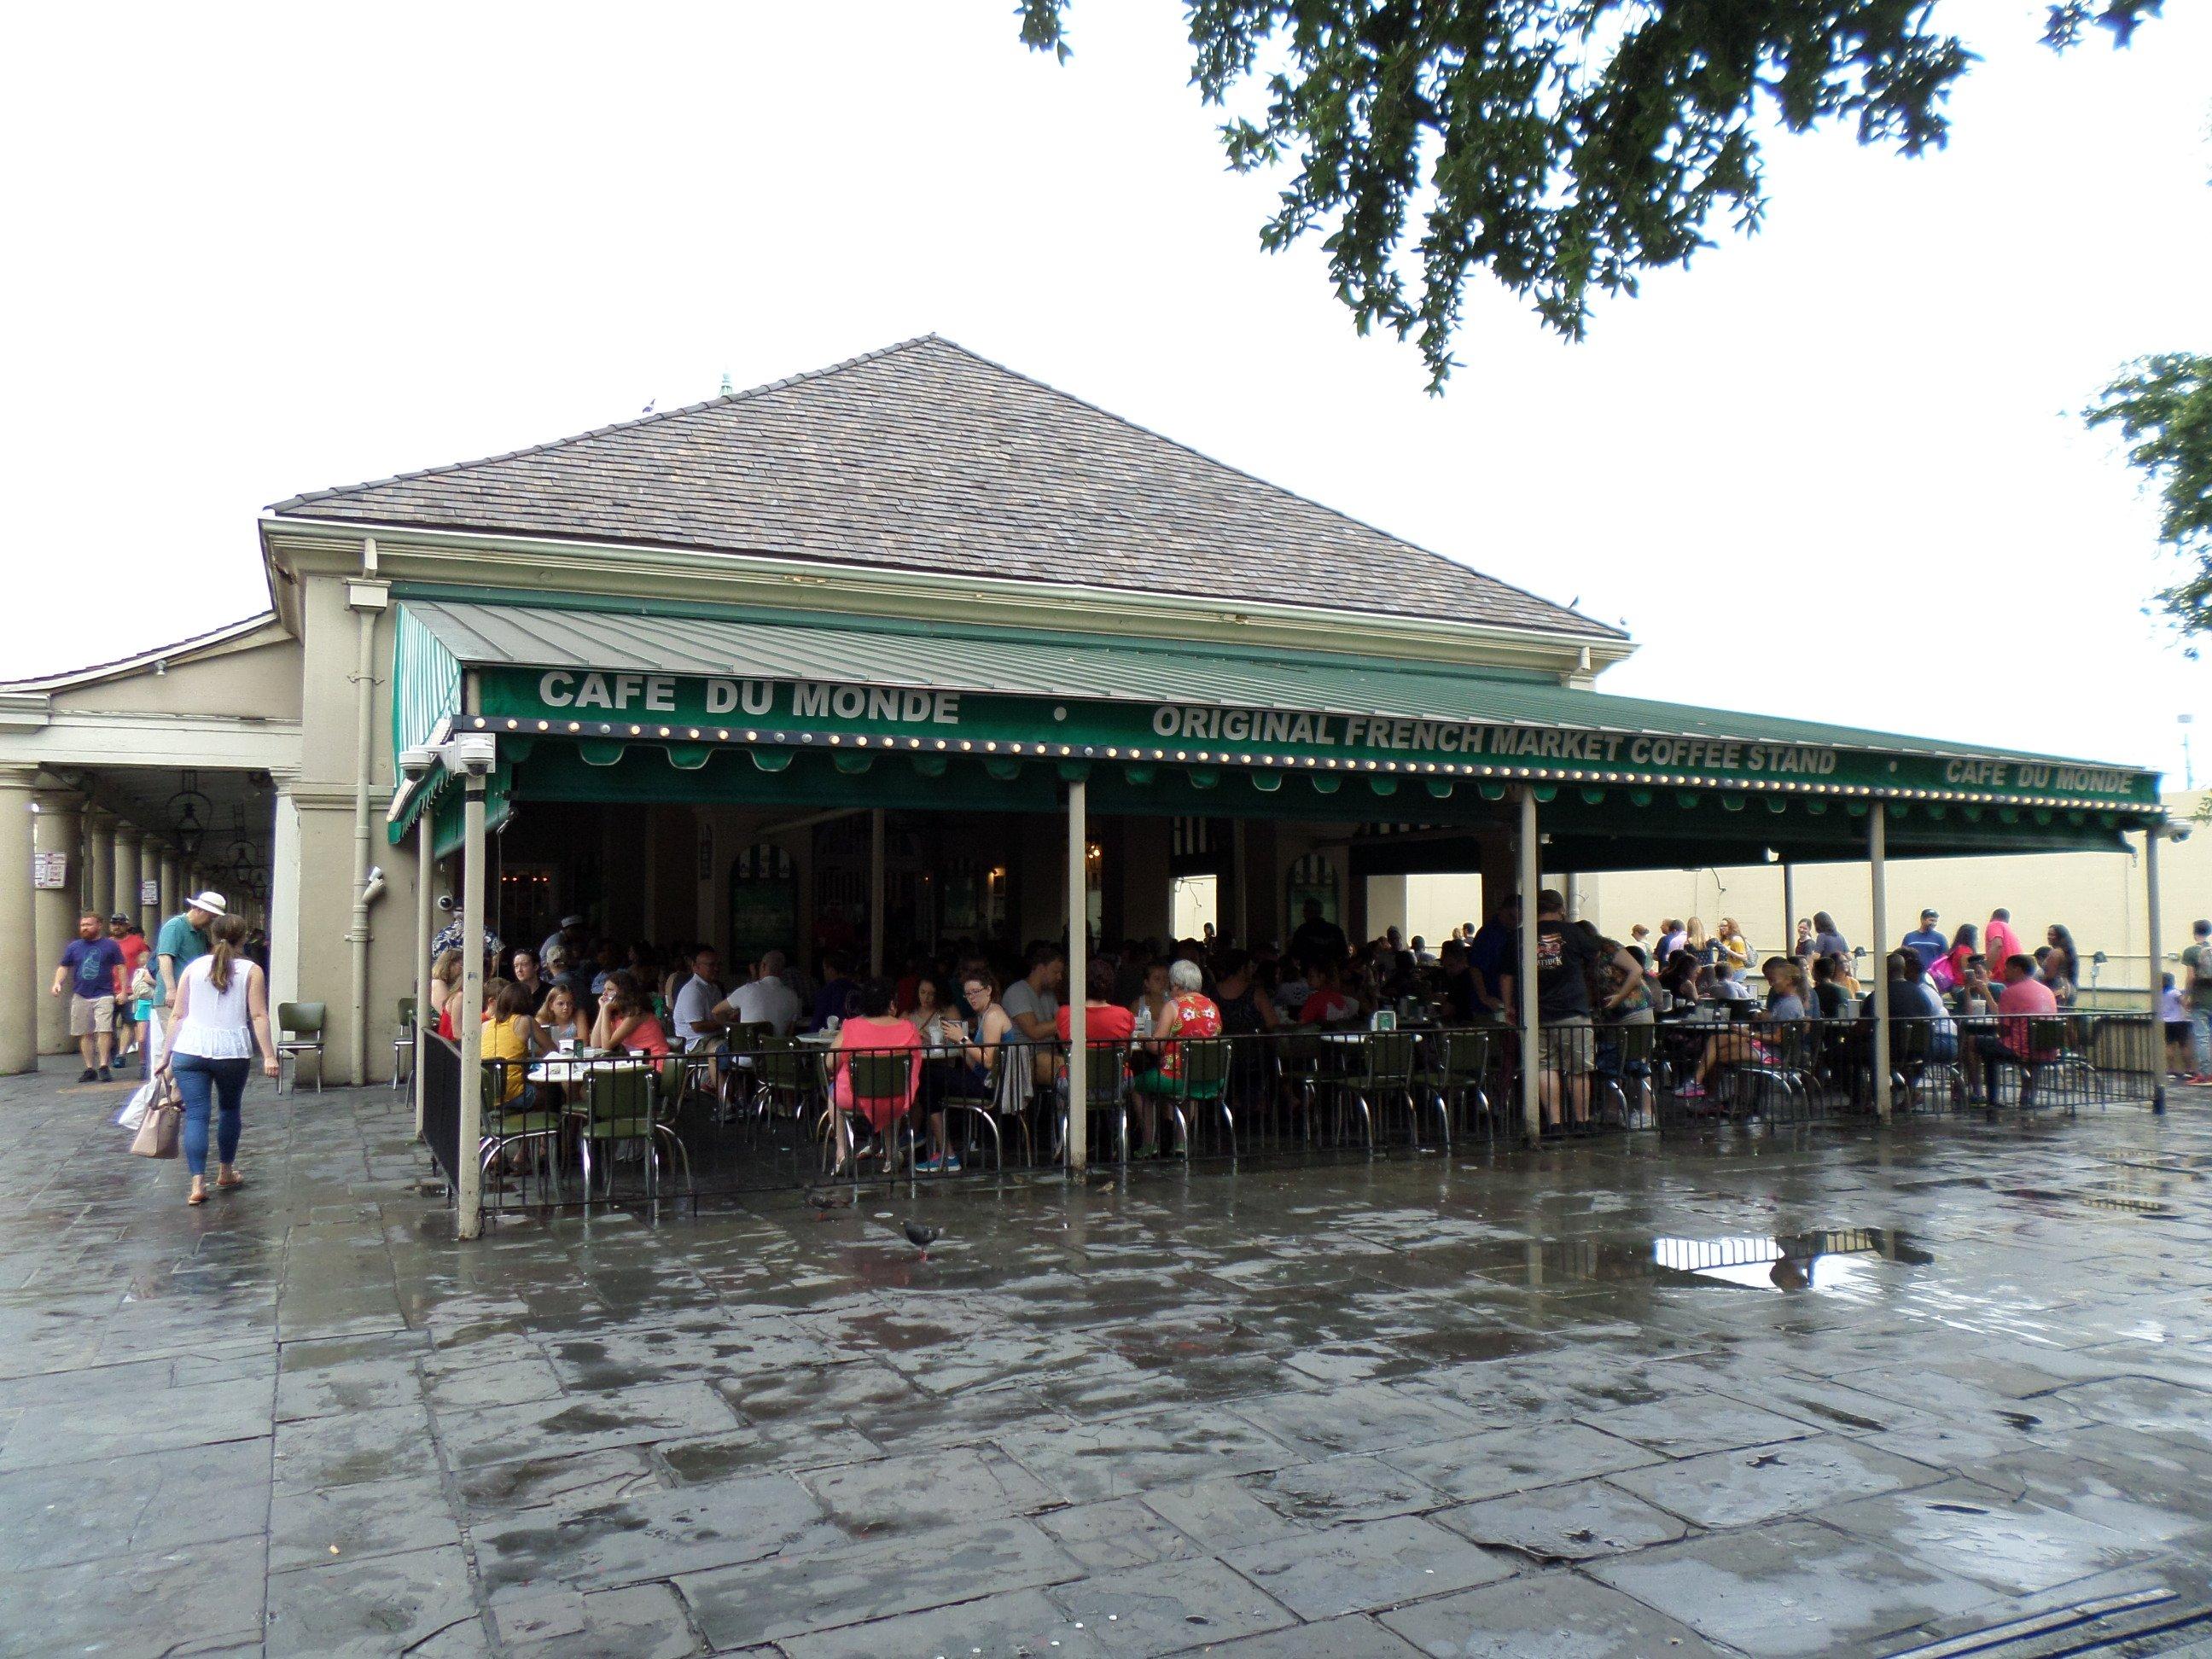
576 1068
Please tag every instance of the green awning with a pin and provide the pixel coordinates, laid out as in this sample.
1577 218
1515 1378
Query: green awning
606 678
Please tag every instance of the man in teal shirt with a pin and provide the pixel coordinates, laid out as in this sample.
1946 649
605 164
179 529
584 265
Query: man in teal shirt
183 940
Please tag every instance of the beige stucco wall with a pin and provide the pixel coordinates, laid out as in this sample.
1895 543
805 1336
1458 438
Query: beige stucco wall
258 676
322 795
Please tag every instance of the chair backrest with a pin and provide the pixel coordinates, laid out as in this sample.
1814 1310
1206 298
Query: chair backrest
2046 1037
1466 1054
1912 1040
1389 1055
786 1065
668 1079
301 1018
1205 1061
618 1102
1106 1073
880 1076
749 1034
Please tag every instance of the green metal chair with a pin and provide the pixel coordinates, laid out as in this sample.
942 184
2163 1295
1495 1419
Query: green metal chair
875 1076
300 1031
1455 1062
1380 1064
618 1108
2051 1052
1105 1089
787 1085
1202 1065
403 1039
507 1123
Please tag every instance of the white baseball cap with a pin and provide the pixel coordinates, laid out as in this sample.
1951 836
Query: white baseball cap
213 904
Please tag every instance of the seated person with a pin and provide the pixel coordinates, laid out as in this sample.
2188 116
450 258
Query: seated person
962 1070
1745 1045
1727 986
1911 997
698 1011
874 1029
2025 997
506 1032
559 1022
626 1021
1190 1013
1328 1002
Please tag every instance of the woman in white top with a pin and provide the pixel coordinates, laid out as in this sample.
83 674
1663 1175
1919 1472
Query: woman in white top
220 1011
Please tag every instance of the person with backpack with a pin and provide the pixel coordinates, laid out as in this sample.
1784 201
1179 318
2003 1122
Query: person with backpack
2197 964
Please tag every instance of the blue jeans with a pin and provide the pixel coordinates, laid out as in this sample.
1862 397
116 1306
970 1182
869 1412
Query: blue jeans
204 1083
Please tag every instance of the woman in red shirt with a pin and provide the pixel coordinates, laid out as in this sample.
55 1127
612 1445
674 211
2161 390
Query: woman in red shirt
1189 1014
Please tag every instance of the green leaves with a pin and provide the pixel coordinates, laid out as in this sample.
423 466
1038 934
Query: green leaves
2163 408
1564 145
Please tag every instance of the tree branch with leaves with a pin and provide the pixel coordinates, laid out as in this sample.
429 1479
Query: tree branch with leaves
1566 146
2162 406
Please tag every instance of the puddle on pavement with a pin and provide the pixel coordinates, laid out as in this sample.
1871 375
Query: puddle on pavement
1828 1258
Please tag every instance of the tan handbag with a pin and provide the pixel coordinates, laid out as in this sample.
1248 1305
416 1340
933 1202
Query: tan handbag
157 1136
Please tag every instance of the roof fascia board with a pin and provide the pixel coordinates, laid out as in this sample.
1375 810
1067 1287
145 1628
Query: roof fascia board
613 569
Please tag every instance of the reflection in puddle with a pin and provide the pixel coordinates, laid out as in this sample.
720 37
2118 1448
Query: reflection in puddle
1835 1259
1831 1259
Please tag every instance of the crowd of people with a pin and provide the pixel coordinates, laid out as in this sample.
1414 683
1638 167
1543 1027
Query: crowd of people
950 1010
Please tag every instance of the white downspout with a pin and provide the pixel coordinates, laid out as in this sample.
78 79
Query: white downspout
366 598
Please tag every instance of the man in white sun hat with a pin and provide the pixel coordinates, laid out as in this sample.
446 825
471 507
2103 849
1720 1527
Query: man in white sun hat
183 939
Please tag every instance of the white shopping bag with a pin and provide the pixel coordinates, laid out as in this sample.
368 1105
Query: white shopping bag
134 1110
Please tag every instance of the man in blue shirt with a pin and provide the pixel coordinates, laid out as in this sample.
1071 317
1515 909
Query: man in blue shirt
181 942
1927 941
91 972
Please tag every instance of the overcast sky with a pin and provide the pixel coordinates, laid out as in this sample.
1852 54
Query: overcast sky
1831 471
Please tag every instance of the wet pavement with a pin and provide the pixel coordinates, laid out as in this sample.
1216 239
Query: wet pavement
1822 1392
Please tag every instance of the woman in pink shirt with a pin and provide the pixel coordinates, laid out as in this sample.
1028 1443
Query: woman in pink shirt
874 1029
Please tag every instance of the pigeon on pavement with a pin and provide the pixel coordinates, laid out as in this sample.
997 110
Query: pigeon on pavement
922 1238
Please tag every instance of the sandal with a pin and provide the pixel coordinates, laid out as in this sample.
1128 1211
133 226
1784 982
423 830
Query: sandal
235 1180
199 1197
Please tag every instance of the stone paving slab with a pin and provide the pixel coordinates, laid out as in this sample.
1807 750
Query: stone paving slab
1332 1407
1794 1588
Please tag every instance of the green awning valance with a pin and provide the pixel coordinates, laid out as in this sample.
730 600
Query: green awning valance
681 682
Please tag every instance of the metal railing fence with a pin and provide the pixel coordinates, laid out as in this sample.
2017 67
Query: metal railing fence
791 1112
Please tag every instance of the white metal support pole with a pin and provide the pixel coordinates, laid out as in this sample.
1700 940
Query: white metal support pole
1532 1041
875 893
1079 909
468 1019
2157 1056
1790 917
1574 896
425 879
1877 857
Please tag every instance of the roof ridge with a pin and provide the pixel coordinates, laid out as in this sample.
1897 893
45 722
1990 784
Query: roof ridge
309 497
1253 477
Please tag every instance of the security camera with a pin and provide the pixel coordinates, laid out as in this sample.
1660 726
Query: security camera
472 754
418 763
445 900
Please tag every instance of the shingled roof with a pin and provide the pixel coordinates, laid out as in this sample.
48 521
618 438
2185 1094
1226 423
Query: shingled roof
925 456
